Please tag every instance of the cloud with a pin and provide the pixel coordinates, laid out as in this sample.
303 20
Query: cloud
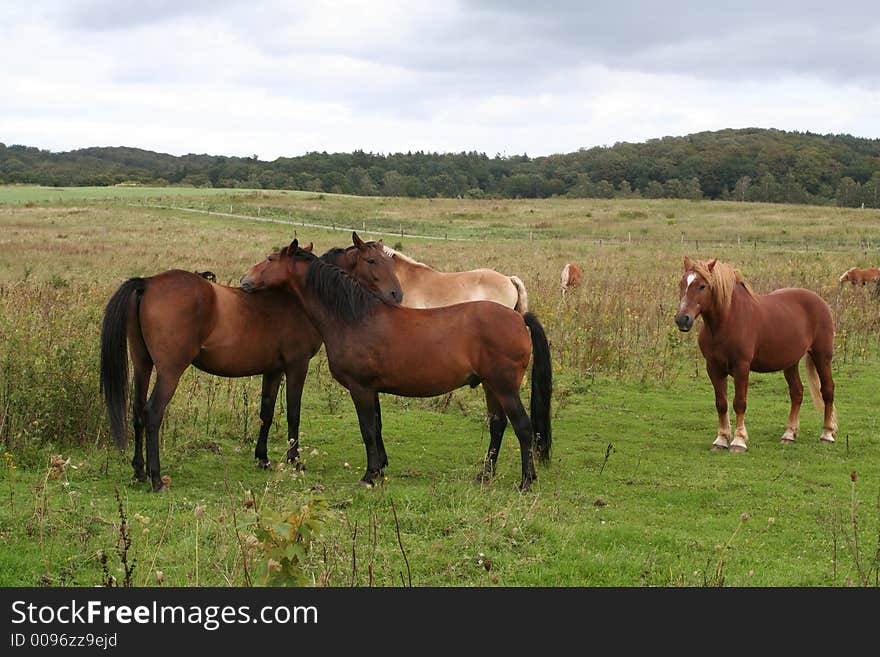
279 78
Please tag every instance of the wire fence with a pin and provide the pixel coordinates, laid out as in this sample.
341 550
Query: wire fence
304 224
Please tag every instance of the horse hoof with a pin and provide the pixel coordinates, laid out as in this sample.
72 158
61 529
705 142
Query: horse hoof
161 489
718 448
372 479
828 439
141 476
737 449
264 465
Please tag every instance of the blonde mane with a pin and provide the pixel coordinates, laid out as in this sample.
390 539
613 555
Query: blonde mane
722 280
391 253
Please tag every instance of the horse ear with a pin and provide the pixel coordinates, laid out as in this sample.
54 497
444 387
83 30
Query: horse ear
687 264
294 245
310 247
357 241
711 264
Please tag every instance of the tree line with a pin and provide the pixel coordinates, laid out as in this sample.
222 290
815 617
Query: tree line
741 165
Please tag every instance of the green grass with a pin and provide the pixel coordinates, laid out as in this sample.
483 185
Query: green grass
669 503
663 511
21 194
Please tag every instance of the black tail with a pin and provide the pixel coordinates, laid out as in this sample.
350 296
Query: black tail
542 387
114 356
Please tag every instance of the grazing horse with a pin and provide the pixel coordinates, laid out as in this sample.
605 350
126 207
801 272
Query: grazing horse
743 332
857 276
373 347
424 287
176 319
570 277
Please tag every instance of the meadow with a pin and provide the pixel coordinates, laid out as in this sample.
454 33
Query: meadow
633 496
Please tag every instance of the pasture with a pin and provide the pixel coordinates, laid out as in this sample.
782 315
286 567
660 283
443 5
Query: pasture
633 495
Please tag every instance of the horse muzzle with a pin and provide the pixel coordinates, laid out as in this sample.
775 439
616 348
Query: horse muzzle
246 285
684 322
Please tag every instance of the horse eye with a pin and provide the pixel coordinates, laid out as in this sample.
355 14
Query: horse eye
702 286
372 261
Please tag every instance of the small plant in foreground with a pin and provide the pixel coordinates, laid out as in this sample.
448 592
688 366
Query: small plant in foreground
285 539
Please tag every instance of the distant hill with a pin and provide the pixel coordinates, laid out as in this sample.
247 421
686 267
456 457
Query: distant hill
750 164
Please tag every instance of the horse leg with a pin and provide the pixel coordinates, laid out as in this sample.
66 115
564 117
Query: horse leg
163 391
523 427
497 425
719 383
383 456
296 379
796 393
365 404
269 394
741 384
142 371
823 369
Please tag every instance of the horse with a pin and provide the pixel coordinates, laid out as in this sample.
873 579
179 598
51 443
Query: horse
425 287
743 331
177 318
857 276
570 277
373 347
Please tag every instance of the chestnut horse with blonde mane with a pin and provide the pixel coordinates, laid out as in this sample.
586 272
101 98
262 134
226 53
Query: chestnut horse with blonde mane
570 277
743 331
373 347
425 287
857 276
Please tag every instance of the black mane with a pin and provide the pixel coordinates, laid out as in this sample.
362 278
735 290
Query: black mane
332 256
338 292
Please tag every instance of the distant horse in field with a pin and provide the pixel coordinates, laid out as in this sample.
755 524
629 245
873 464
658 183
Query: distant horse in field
857 276
424 287
373 347
570 277
743 332
177 318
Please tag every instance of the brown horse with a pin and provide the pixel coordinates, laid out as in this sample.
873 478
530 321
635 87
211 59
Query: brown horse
425 287
570 277
373 347
176 319
745 332
857 276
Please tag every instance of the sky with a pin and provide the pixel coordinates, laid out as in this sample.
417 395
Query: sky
276 79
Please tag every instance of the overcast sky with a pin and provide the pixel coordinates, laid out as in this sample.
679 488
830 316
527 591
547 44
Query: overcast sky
283 78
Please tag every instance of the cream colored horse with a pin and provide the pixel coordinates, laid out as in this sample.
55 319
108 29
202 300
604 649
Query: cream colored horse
424 287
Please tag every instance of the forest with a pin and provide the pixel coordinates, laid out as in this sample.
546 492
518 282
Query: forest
750 164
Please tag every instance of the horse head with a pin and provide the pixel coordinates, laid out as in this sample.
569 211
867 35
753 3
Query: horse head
696 295
275 271
371 265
